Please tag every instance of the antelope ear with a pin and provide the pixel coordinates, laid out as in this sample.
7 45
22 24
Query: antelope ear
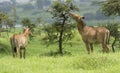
30 29
83 17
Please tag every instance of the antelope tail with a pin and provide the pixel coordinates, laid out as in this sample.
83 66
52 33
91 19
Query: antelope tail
107 37
12 42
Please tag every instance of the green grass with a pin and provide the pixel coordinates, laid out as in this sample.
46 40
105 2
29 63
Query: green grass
95 63
41 59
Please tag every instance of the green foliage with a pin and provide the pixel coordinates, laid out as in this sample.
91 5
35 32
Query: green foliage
52 33
27 23
59 9
4 16
115 33
5 19
114 29
111 7
62 25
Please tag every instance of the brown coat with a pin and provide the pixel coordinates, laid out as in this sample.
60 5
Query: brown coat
19 42
91 35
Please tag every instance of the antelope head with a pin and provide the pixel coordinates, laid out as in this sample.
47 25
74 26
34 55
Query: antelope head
27 31
76 17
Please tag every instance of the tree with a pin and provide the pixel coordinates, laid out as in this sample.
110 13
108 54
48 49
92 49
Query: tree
115 33
61 25
27 23
5 20
1 15
110 7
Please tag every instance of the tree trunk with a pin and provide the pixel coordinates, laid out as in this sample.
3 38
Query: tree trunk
114 44
60 37
60 42
7 30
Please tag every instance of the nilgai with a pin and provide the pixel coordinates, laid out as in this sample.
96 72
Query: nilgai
91 35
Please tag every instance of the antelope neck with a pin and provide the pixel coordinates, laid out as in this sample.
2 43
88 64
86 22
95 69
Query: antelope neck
80 25
26 34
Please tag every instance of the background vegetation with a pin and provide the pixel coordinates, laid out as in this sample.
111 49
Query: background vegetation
40 57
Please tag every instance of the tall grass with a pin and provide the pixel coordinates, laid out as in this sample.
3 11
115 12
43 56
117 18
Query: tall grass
41 59
95 63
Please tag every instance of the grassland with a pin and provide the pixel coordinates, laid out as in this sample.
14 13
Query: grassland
41 59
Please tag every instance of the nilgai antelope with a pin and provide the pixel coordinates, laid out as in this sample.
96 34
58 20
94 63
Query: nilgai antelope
91 35
19 42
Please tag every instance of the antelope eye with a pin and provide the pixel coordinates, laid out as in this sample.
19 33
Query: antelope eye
83 17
